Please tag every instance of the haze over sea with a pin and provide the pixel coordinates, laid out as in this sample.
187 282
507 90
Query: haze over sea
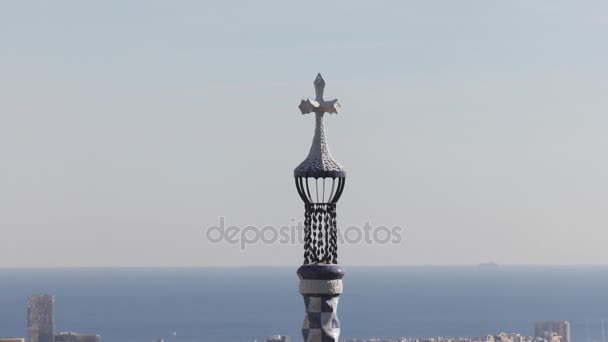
206 304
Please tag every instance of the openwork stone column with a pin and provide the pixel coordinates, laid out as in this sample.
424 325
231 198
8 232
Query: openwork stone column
320 182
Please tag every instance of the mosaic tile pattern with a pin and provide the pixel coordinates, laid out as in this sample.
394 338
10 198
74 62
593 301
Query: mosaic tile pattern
321 322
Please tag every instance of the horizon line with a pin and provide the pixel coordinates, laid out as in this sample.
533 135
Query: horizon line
479 265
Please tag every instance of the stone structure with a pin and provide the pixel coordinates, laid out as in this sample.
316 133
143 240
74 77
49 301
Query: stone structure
545 330
41 319
320 182
74 337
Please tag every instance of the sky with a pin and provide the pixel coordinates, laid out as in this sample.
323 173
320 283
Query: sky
128 128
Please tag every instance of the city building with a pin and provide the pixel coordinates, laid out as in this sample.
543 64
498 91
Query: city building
278 338
41 319
546 329
503 337
74 337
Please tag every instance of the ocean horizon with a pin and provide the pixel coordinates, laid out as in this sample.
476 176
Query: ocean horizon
249 303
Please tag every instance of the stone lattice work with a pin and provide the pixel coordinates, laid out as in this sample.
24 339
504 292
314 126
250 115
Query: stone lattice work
319 161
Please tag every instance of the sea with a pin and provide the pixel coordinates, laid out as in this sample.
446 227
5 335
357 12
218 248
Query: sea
248 304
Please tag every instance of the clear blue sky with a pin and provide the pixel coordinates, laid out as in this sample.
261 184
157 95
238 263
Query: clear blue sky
128 127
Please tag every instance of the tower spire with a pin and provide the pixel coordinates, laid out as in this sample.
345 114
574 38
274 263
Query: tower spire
320 276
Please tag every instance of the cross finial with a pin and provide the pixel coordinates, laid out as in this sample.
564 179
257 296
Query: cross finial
319 162
319 105
319 87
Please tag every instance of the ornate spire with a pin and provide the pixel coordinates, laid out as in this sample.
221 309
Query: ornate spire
319 162
320 276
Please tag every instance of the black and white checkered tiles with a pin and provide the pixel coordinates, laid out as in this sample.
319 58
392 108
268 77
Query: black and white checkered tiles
321 322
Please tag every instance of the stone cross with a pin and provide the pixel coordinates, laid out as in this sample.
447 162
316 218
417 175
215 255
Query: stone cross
319 162
319 105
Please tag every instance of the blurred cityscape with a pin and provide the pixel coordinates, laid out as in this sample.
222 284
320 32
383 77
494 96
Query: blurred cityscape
41 328
548 331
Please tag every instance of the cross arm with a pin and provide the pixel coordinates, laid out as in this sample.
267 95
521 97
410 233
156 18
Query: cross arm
309 106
